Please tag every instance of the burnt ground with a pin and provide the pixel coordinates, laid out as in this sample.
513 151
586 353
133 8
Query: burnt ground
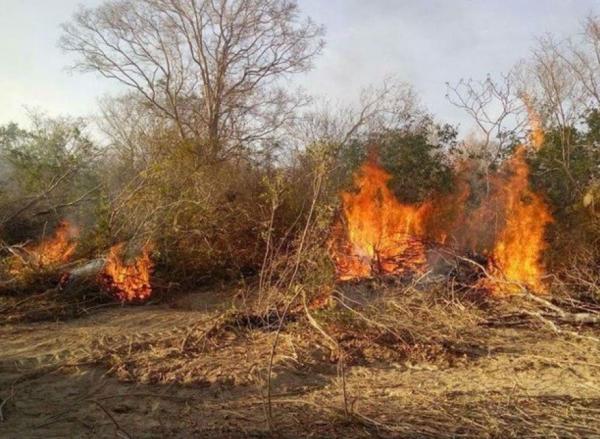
183 370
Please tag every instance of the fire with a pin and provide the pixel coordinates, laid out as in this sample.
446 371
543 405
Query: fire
536 137
505 222
378 235
55 250
128 282
520 243
516 257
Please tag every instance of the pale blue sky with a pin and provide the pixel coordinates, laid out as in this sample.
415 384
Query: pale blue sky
425 42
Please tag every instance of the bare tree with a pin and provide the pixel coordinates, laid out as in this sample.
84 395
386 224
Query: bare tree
390 106
213 68
497 110
583 60
564 80
549 77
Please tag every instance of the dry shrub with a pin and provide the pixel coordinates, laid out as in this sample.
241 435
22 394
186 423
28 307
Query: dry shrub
574 258
203 220
221 220
415 320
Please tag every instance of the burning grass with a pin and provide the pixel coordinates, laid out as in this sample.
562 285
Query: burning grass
419 287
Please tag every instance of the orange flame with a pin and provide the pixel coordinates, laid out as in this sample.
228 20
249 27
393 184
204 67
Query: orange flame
128 282
536 137
55 250
516 258
520 243
378 235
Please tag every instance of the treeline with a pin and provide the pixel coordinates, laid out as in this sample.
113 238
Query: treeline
232 174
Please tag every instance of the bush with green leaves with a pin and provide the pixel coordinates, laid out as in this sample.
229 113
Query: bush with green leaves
48 171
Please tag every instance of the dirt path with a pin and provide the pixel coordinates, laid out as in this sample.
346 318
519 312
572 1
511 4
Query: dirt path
54 384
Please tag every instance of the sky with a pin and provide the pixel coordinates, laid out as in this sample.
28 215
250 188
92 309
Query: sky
423 42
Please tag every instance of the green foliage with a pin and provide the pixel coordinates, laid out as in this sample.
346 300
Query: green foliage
418 160
45 172
567 163
417 157
50 150
566 170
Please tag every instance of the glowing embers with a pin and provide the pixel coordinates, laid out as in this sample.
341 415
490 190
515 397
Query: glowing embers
377 234
127 281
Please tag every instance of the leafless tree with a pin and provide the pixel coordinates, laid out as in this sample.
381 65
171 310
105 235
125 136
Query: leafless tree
583 61
127 126
496 108
563 77
212 68
549 78
389 106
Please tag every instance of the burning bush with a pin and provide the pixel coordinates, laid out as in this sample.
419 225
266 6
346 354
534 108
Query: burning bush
127 281
516 256
379 235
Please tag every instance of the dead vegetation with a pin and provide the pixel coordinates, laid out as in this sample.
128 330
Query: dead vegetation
379 359
354 273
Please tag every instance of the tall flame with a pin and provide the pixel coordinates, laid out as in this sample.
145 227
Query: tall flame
521 243
516 257
378 235
128 282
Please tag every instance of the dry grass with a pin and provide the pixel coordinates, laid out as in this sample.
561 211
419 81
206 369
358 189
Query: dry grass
419 360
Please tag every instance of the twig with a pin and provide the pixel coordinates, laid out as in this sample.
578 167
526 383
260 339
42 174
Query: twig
214 326
271 357
557 330
336 347
119 428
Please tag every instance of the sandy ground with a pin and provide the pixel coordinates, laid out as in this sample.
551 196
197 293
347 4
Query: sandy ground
112 374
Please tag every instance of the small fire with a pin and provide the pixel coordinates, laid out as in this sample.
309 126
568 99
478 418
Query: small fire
55 250
536 137
128 282
520 243
378 234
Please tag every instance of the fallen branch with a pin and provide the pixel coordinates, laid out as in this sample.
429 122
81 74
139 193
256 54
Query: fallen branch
565 316
272 356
